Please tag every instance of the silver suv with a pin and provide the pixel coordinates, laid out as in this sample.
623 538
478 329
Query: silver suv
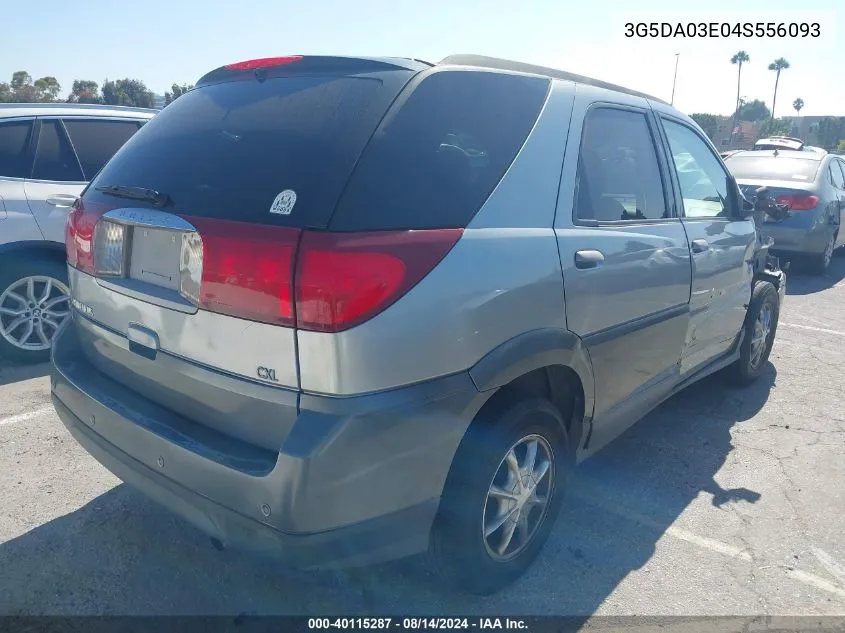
346 310
47 154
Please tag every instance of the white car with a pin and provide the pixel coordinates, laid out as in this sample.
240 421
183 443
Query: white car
48 153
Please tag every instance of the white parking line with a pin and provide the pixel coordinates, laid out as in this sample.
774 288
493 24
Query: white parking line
830 564
731 551
23 417
815 581
813 329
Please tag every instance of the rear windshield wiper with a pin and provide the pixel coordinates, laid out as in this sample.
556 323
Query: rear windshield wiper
136 193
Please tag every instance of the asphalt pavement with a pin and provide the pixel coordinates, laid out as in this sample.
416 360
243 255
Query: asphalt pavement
723 501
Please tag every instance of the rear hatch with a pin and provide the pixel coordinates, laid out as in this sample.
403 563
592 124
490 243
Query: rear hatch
182 249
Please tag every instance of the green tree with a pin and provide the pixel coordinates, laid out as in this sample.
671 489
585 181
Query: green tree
778 65
5 92
797 105
84 91
127 92
709 123
739 59
754 111
23 91
46 89
176 91
830 131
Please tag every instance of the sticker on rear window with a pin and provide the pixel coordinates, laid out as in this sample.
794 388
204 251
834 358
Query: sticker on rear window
283 204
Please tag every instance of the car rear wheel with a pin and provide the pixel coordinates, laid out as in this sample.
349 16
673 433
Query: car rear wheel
820 263
34 303
502 496
761 324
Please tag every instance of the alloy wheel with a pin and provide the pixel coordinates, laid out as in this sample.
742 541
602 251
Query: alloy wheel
32 309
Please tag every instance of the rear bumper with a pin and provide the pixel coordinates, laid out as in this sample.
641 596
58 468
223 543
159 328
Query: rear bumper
798 240
357 481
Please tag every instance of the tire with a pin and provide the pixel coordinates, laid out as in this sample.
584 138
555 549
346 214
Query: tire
752 359
819 264
459 552
15 271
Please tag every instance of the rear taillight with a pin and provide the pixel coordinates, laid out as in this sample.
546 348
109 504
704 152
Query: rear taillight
264 62
343 279
109 248
247 269
338 281
79 236
799 202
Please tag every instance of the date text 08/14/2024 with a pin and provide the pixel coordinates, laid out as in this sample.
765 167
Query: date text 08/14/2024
417 623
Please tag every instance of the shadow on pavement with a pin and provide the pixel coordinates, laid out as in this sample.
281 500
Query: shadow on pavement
799 281
11 372
120 554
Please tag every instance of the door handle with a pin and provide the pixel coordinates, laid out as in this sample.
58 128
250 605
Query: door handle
61 199
699 246
588 259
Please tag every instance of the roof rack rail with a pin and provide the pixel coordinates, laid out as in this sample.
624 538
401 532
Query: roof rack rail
52 105
483 61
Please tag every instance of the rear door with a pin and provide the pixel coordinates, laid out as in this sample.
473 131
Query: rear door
626 264
722 245
70 151
56 179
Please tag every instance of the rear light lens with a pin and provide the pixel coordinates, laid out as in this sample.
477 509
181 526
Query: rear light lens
264 62
190 266
799 202
79 234
109 251
247 270
343 279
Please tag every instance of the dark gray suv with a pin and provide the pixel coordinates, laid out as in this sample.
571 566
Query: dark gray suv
345 310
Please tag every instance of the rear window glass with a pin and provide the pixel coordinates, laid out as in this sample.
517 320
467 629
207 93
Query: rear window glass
441 151
273 152
772 168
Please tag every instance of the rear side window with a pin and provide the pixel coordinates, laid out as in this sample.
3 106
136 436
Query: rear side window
441 151
836 175
769 167
14 143
274 152
96 141
54 158
618 176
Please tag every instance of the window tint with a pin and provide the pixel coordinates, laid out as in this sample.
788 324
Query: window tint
14 143
96 141
836 175
841 167
435 159
704 182
795 167
618 174
228 150
54 158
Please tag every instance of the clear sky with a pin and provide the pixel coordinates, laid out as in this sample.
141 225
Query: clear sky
166 41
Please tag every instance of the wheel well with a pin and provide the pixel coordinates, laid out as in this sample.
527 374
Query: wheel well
47 250
558 384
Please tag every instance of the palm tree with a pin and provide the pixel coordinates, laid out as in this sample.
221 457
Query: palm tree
797 105
740 58
778 65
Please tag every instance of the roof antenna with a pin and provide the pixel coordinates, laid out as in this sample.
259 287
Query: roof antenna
776 152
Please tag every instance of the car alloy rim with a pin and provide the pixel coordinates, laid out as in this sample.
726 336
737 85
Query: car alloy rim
518 497
32 310
762 329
